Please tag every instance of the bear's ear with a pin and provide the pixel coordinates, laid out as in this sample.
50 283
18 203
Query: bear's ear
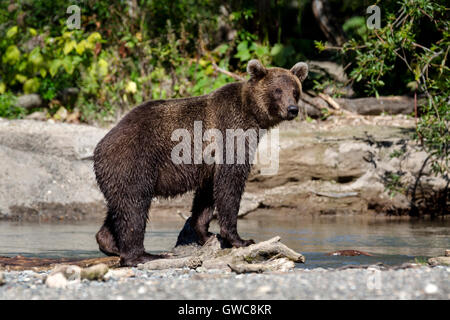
300 70
255 69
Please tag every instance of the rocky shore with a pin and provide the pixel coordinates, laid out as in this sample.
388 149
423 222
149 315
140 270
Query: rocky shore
349 164
374 282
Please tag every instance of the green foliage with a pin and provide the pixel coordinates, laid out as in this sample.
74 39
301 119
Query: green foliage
418 41
8 108
36 62
283 54
421 260
250 50
122 55
355 27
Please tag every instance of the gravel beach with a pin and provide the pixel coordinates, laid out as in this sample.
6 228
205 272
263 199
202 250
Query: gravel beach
420 282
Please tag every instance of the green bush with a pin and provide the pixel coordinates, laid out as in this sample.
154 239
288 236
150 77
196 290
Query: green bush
8 108
420 40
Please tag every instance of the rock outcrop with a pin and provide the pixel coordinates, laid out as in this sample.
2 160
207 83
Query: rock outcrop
348 167
46 172
340 166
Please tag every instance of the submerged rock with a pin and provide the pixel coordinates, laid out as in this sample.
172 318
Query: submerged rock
440 261
349 253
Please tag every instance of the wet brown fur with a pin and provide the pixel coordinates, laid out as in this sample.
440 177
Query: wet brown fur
132 163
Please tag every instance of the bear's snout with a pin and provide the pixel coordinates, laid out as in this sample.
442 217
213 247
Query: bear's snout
292 112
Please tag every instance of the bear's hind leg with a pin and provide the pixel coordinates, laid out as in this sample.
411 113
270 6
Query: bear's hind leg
128 227
106 241
202 212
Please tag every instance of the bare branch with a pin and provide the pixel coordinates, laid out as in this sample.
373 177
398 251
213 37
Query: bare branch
226 72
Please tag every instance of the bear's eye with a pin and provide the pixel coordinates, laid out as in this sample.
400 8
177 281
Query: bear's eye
278 91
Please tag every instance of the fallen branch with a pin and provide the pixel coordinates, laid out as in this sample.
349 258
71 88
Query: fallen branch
315 102
226 72
330 101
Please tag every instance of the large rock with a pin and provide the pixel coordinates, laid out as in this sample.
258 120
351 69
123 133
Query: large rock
46 172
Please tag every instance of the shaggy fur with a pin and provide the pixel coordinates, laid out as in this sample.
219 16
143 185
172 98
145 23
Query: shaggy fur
133 163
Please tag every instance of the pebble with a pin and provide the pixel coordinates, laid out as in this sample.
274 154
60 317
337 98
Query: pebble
431 288
95 272
263 290
142 290
56 280
70 272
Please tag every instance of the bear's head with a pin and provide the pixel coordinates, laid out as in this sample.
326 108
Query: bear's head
273 93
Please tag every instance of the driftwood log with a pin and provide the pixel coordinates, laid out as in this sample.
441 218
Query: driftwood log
19 263
373 106
270 255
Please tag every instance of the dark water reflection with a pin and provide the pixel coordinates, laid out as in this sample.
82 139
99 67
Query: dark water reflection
391 241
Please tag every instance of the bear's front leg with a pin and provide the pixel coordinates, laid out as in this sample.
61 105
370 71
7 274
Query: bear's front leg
229 184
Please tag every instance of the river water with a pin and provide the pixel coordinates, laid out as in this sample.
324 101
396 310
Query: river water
391 241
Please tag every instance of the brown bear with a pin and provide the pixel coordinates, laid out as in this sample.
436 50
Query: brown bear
133 163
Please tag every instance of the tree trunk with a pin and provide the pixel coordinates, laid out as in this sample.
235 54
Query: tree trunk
322 12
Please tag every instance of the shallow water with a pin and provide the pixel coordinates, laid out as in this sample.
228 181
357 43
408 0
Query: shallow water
391 241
